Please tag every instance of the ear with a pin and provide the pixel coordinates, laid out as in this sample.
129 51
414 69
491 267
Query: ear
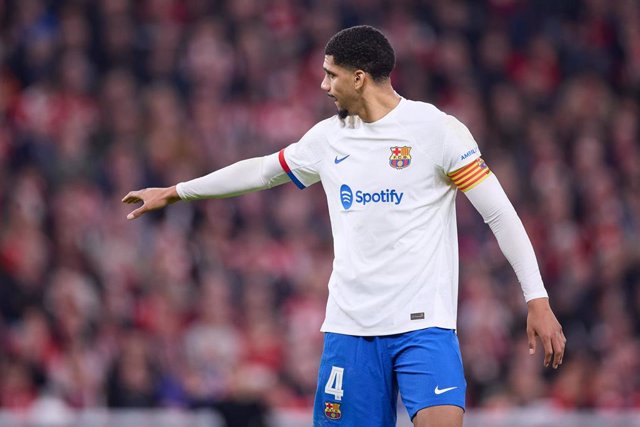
358 79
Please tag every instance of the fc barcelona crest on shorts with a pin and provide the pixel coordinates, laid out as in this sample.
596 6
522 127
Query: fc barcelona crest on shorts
400 157
332 410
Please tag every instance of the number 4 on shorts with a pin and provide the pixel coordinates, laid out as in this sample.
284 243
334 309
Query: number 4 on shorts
334 385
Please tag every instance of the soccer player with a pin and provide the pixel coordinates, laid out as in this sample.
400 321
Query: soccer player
391 168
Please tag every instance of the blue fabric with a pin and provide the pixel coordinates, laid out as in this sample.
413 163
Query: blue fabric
295 180
424 365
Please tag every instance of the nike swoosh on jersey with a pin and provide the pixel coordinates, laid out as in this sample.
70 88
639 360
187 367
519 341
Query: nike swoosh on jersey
443 390
337 160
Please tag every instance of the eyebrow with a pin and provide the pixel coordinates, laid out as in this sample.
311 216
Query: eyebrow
326 70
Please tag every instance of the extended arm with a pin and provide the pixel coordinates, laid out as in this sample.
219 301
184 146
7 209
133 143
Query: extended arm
243 177
492 203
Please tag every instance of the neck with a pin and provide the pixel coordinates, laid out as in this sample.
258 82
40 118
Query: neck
376 102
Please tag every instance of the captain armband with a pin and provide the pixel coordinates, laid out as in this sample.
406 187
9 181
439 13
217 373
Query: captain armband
469 176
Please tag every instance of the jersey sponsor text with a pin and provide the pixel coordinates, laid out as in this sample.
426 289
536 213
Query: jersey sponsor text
364 198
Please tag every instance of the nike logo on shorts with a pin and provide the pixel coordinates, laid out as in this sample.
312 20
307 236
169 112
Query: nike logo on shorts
337 160
443 390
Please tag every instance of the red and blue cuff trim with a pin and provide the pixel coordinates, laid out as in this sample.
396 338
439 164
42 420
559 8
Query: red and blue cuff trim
287 169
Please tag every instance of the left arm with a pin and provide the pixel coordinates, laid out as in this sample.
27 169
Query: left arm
492 203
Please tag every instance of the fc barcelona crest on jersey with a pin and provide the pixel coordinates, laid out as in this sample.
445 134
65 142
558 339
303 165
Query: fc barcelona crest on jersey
332 410
400 157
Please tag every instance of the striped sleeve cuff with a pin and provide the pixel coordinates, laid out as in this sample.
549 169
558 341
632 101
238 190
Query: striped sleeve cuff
287 169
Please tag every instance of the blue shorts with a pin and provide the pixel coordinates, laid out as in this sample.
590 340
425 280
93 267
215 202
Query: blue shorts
360 377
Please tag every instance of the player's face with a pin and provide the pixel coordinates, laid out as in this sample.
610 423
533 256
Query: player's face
338 82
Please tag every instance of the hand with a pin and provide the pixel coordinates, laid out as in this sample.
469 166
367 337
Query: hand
151 198
542 322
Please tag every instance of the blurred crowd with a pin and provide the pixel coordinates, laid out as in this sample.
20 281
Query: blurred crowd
222 300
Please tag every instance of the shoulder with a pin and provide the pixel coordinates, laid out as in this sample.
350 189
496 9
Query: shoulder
439 135
322 130
423 121
422 117
421 108
315 141
425 117
327 125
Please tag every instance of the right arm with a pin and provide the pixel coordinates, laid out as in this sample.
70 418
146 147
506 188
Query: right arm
299 164
243 177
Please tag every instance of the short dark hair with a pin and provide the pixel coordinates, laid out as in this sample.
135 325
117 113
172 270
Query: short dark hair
363 47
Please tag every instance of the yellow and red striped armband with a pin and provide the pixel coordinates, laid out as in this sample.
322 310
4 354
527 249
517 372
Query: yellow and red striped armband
470 175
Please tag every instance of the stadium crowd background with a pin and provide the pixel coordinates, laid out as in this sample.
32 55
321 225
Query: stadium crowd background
221 301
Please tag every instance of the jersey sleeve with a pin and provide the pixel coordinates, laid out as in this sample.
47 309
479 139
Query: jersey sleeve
461 156
492 203
301 160
242 177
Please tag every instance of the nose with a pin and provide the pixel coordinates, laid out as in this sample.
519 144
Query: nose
325 84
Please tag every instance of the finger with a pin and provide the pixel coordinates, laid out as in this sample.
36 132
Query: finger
558 349
137 213
132 197
548 350
564 347
531 335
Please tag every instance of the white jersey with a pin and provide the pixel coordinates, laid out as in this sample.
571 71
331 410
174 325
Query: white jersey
391 188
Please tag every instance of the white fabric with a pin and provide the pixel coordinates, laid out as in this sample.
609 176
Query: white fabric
396 259
239 178
491 201
396 246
